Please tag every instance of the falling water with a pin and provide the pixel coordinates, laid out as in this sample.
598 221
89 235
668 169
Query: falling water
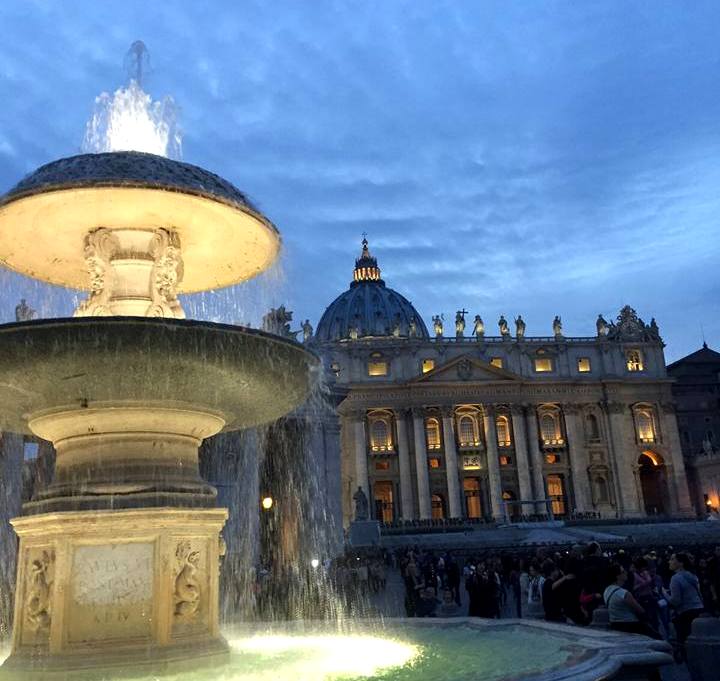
129 119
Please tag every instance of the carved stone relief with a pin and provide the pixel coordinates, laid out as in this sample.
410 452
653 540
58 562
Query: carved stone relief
166 275
39 580
100 246
187 594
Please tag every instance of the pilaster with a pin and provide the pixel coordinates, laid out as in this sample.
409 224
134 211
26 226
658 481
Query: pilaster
406 494
578 458
421 464
493 465
451 464
521 451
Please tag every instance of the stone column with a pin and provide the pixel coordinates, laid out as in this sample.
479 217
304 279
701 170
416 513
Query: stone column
578 458
536 456
672 438
521 453
406 494
451 464
493 465
421 464
361 463
622 435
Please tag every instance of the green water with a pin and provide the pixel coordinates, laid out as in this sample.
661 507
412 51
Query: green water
402 653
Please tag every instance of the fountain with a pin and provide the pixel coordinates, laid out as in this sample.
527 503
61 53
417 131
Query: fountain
118 562
119 555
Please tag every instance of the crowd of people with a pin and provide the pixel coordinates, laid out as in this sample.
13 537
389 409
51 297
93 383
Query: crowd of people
657 592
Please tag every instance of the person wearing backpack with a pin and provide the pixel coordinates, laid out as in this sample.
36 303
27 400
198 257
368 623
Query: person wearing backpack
684 596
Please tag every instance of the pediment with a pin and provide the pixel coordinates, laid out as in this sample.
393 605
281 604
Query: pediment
467 369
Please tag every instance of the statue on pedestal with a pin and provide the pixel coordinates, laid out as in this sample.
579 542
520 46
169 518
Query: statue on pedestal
438 325
519 327
277 321
23 312
602 326
361 504
460 323
307 330
503 326
478 327
557 327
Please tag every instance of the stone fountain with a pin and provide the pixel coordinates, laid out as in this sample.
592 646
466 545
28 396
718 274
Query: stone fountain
119 557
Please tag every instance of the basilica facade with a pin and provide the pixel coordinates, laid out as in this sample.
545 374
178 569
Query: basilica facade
462 423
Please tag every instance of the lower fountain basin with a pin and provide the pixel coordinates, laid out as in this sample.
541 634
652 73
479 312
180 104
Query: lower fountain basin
459 649
127 402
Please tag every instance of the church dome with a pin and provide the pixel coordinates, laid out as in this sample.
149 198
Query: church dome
369 308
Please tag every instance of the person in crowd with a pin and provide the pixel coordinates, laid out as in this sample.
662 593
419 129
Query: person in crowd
452 571
643 589
625 613
448 607
427 603
531 588
552 605
684 598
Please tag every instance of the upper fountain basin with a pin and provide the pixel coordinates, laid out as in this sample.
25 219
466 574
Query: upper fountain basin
246 377
45 218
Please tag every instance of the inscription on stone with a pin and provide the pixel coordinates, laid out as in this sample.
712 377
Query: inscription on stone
112 590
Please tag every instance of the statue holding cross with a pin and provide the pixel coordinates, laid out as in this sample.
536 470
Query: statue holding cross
460 323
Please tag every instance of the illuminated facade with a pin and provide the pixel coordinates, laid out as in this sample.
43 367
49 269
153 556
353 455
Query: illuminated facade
467 425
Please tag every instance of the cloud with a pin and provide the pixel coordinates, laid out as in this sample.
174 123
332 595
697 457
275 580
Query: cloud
552 158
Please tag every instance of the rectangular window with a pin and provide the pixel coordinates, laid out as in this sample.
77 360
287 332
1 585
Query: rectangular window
382 465
505 460
377 368
497 362
583 365
434 462
543 364
428 365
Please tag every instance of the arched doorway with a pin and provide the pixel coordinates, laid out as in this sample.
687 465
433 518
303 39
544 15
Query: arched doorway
652 482
438 506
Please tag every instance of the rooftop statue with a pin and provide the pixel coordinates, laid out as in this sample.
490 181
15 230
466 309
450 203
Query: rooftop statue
460 323
603 328
23 312
478 327
519 327
503 326
307 330
629 327
557 327
438 325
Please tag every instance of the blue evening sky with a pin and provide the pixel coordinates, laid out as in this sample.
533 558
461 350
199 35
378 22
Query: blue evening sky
508 157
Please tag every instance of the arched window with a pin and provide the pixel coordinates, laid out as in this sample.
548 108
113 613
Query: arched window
634 360
591 422
379 434
502 424
467 431
432 433
549 430
645 425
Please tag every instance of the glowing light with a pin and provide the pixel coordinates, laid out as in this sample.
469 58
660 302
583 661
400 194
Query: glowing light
267 503
323 658
314 562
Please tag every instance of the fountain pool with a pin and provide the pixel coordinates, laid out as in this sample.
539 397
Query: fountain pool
461 649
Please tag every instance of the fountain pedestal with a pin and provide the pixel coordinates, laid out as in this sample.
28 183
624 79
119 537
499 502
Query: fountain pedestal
113 588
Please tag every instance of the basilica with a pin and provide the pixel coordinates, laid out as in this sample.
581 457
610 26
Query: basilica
479 422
